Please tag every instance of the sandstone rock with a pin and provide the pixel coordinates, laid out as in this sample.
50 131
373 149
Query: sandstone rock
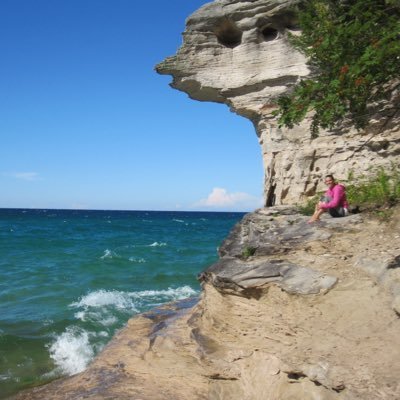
396 305
303 324
309 322
282 231
239 276
237 53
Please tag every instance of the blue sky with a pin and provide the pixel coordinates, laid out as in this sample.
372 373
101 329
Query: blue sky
86 122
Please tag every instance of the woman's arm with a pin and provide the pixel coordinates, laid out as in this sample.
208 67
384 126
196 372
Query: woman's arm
337 195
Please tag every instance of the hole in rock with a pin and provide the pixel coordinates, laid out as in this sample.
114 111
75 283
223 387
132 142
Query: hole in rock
269 34
228 34
295 376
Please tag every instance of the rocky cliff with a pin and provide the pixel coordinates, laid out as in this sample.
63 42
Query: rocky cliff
313 314
237 52
291 311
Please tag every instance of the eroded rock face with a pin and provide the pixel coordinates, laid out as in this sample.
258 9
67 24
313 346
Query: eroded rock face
237 53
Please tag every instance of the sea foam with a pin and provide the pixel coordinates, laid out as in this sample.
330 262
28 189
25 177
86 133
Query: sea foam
71 351
157 244
101 298
100 310
131 300
108 254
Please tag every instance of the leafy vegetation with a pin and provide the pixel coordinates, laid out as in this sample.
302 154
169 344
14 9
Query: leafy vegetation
380 190
309 207
353 49
248 251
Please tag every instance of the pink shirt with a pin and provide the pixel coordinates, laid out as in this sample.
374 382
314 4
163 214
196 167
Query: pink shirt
338 197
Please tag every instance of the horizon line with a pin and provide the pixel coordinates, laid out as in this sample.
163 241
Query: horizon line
104 209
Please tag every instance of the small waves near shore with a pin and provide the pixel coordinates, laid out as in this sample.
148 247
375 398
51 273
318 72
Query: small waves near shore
71 278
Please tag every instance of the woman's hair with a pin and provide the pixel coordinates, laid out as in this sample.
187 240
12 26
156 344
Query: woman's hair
330 176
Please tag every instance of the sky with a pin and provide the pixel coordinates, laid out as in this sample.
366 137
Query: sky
86 122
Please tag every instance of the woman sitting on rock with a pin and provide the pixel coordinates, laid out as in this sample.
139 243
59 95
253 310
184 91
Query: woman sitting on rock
334 201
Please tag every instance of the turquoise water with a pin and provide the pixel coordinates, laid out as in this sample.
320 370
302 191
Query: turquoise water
70 278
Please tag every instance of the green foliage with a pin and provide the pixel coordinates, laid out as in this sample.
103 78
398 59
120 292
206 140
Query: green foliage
379 190
309 207
248 251
353 49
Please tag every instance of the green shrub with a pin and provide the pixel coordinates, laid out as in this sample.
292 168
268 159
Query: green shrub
248 251
309 207
379 189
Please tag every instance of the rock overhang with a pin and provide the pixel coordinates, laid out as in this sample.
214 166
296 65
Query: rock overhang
237 52
231 48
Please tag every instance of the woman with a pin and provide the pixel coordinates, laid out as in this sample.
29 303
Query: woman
334 201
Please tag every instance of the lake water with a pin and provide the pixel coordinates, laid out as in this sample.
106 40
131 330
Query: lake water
70 278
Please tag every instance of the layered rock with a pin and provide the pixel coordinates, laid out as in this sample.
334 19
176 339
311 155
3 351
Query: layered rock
316 318
290 310
237 53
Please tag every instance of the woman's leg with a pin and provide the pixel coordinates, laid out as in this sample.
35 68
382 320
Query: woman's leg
317 213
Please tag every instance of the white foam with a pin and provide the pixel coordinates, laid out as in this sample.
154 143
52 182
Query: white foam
125 301
157 244
108 254
80 315
109 320
165 295
137 260
71 351
101 298
6 377
178 220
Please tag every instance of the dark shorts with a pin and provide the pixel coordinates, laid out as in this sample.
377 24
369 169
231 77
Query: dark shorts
337 212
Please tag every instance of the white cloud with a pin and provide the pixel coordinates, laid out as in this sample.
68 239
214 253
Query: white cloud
26 176
222 199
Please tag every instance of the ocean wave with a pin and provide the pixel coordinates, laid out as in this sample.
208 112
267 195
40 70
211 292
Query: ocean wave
108 254
179 220
101 311
71 351
137 260
102 298
170 293
8 377
130 301
157 244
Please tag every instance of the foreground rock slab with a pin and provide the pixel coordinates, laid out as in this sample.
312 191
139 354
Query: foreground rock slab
315 321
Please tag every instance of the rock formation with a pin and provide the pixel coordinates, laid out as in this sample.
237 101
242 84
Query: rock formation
291 311
317 318
237 53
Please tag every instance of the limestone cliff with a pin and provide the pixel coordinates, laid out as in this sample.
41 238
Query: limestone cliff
236 52
291 311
